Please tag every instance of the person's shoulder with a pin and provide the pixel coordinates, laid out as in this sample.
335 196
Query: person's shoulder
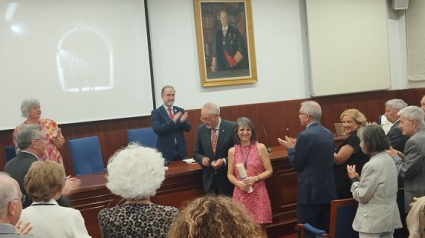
227 123
178 108
156 109
166 208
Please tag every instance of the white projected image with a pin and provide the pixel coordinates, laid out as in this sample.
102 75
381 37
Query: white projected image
77 57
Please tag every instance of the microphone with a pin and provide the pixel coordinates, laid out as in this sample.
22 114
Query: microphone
267 141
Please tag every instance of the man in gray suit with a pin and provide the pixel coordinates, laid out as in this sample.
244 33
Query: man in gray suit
213 140
411 164
11 208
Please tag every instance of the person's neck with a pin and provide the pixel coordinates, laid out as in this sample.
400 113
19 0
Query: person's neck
34 152
5 220
245 143
142 201
33 120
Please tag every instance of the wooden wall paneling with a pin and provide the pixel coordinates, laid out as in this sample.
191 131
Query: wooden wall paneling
279 119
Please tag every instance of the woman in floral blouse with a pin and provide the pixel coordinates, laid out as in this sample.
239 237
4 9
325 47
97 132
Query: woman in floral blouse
30 108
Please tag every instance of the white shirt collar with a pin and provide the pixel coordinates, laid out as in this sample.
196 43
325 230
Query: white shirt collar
224 28
30 153
311 123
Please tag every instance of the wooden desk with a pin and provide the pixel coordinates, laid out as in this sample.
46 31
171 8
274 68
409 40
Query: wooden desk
183 182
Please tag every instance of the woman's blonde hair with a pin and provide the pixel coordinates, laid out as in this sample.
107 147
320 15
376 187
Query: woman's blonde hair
357 116
44 180
214 217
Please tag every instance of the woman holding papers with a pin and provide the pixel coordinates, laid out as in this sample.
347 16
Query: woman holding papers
249 165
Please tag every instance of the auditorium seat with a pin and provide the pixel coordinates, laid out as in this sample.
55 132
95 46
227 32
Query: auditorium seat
342 216
144 136
9 152
86 155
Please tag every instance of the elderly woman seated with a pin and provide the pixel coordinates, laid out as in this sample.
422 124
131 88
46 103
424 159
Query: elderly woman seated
43 183
135 173
214 217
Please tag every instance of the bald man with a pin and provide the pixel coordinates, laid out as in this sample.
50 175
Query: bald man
11 208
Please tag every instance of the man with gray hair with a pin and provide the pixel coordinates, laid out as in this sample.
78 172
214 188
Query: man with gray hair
11 208
411 164
32 143
213 140
312 154
396 137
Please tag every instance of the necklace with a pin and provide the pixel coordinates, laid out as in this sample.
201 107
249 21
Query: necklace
245 159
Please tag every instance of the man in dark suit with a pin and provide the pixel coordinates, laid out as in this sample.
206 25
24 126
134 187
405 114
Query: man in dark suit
311 154
213 140
395 135
32 142
169 122
229 50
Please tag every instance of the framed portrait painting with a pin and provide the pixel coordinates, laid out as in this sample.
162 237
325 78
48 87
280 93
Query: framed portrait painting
225 42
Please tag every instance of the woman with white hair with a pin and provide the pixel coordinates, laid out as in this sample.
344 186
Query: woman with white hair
135 173
31 110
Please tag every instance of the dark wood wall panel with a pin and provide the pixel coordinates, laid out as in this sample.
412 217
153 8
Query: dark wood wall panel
279 119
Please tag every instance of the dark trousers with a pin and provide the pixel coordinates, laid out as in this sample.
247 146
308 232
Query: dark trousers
217 190
317 215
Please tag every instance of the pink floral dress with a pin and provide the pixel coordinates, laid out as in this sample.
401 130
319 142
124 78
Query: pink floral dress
48 126
256 203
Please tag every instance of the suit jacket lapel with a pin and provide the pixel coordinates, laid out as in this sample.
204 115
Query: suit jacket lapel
395 125
221 135
164 113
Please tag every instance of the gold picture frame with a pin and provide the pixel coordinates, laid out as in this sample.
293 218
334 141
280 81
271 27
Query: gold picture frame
225 40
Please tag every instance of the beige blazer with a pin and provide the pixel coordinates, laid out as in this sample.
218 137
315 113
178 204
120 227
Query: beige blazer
416 219
49 220
377 194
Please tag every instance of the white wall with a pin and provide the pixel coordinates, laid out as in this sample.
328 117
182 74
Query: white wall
281 53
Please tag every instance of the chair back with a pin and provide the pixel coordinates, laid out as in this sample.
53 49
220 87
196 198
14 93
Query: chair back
343 212
144 136
86 155
9 153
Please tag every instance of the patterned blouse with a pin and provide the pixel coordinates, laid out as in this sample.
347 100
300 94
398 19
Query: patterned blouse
136 220
48 126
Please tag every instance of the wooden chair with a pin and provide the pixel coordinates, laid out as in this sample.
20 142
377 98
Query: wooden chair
342 216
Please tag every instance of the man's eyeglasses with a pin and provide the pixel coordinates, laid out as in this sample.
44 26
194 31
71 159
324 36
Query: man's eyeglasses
44 138
22 198
301 113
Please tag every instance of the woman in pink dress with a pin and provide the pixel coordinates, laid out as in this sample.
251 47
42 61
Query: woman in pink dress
31 110
255 159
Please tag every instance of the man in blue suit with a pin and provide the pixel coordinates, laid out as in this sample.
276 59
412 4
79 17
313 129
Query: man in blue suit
169 122
311 154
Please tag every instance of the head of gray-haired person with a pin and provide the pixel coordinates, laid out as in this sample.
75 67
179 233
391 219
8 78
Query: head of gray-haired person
392 107
10 200
411 120
210 115
135 173
30 138
31 110
373 139
309 111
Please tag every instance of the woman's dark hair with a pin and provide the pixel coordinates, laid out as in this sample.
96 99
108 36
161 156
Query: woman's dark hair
243 121
373 138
